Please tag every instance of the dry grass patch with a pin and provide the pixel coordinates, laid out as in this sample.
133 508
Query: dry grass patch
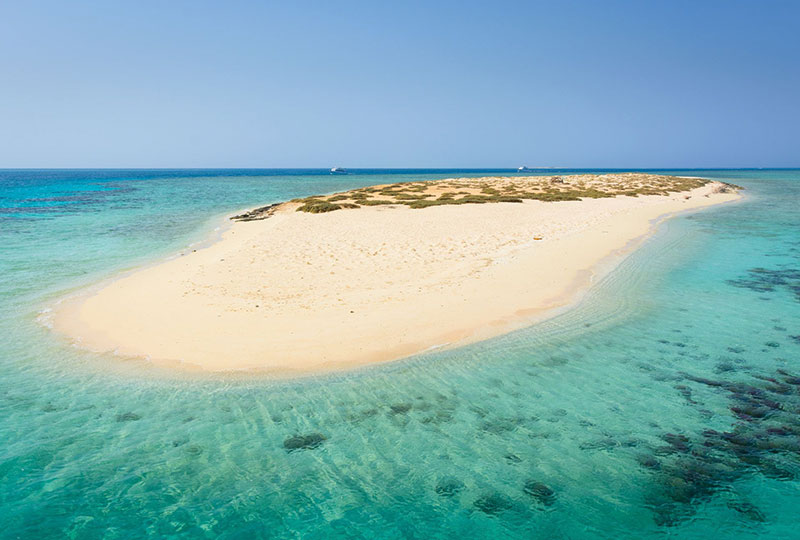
455 191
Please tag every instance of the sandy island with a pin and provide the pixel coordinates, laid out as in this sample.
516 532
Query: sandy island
379 273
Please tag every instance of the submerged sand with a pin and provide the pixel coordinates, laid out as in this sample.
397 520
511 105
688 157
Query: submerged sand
301 292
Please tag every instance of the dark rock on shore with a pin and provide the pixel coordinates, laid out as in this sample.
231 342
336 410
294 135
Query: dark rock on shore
257 213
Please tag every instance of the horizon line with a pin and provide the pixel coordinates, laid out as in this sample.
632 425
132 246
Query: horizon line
391 168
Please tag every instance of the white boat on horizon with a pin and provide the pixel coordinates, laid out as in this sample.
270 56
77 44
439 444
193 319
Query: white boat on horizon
524 168
339 170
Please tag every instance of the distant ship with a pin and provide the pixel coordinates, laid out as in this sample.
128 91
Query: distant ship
339 170
523 169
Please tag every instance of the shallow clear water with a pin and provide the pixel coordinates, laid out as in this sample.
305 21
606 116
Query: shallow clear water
644 412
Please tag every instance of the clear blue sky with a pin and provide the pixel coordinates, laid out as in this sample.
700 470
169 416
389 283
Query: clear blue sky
399 84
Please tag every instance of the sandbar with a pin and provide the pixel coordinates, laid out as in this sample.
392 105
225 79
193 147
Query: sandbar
287 291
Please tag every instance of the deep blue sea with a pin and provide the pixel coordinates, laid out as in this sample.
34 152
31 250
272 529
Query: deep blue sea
665 405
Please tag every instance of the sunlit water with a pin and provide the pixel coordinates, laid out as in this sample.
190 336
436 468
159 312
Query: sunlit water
664 405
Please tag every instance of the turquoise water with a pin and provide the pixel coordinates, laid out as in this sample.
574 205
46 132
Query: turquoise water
664 405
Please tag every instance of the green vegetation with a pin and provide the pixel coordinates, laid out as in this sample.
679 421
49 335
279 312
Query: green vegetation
320 207
456 191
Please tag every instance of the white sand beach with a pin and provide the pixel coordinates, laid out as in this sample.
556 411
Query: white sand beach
302 292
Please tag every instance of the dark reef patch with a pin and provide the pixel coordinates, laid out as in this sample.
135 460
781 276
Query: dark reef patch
763 439
765 280
605 443
400 408
541 492
448 486
724 367
492 503
128 417
749 510
304 442
499 426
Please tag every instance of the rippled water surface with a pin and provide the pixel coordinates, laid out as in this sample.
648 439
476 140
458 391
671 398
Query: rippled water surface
667 404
